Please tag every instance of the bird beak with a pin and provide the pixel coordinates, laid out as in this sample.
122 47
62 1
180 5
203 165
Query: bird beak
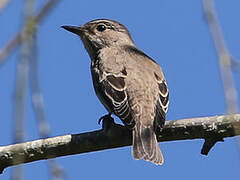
74 29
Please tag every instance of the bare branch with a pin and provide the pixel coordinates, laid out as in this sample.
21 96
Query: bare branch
26 53
225 59
16 39
38 106
209 128
27 37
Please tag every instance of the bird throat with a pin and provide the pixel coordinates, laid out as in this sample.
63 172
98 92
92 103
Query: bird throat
92 49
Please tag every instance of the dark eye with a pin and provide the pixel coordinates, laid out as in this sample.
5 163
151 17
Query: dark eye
101 27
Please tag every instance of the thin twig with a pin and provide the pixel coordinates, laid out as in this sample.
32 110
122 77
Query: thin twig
224 57
55 169
30 56
11 45
21 80
38 106
117 136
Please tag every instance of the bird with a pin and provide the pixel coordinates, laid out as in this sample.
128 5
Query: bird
129 83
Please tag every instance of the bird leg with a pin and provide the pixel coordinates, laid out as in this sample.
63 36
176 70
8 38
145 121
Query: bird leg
107 121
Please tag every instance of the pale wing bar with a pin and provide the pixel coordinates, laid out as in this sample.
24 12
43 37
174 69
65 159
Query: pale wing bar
162 102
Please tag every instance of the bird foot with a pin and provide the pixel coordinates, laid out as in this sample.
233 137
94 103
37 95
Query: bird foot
107 121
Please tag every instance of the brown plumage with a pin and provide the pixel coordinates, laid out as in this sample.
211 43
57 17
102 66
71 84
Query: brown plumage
128 83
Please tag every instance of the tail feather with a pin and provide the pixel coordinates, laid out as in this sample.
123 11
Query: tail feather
145 145
138 151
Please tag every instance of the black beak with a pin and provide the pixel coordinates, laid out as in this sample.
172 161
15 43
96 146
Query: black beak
74 29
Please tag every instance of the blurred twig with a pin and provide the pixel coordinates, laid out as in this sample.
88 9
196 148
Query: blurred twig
37 98
38 107
28 60
27 41
11 45
225 59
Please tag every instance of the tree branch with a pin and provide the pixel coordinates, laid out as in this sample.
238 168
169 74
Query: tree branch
212 129
225 58
10 46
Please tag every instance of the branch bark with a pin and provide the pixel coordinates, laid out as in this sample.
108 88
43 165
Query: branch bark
212 129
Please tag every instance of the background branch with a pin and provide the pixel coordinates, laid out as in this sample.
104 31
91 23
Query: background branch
11 45
27 69
225 59
26 53
56 171
209 128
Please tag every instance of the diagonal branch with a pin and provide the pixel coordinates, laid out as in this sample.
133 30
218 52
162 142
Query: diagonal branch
225 59
11 45
212 129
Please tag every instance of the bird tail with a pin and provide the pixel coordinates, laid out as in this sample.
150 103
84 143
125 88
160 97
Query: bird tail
145 145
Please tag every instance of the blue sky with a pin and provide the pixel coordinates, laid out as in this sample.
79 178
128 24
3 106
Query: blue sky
176 35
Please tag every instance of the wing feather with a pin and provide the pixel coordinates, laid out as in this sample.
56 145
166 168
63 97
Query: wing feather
111 90
162 102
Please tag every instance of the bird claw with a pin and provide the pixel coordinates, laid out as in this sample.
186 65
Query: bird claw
101 119
106 120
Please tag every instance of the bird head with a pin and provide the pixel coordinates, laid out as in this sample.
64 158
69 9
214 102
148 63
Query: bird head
101 33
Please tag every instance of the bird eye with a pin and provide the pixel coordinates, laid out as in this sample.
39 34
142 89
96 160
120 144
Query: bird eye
101 28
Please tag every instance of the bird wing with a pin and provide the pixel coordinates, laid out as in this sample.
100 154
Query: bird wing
111 90
162 102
